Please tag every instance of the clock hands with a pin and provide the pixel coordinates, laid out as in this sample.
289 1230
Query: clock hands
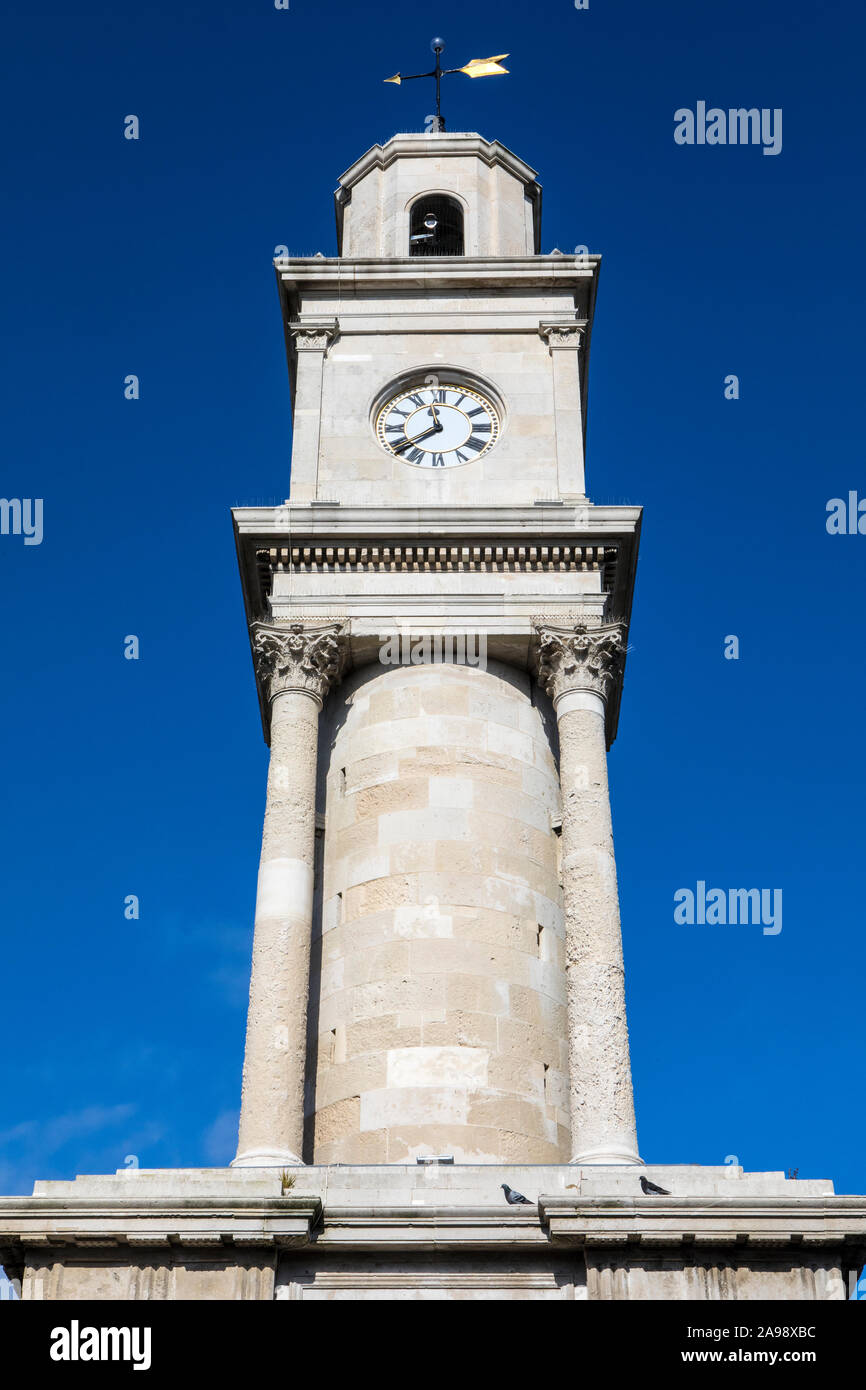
435 428
465 423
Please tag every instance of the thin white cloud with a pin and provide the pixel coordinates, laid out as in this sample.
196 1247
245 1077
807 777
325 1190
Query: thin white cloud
30 1148
220 1139
52 1134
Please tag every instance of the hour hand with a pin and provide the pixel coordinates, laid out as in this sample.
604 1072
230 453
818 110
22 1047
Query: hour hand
434 429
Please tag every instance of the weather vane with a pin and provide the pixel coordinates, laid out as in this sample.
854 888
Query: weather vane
478 67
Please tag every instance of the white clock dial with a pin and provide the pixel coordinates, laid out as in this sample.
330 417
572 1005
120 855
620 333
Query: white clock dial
438 426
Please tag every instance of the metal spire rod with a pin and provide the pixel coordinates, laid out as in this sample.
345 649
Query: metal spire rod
478 67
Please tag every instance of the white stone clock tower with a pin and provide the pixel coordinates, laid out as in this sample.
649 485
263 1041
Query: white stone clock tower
437 1002
446 975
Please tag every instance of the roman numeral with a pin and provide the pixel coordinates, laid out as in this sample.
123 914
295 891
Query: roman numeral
461 457
442 397
437 461
393 429
460 398
413 455
417 400
476 443
478 411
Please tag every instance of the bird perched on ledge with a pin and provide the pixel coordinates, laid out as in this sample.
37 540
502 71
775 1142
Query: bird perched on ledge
649 1188
514 1198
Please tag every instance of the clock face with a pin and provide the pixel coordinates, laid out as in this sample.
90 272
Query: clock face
438 426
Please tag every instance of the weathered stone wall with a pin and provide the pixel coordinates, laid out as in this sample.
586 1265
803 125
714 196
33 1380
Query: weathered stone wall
428 1273
423 338
431 1276
713 1277
437 984
71 1275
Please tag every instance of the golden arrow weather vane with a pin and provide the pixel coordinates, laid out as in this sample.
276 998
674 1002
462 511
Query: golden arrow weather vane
477 67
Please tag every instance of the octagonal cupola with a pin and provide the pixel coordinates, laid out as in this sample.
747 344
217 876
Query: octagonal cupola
438 194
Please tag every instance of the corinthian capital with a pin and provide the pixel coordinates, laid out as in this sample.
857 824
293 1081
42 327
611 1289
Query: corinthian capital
314 336
561 335
579 657
298 656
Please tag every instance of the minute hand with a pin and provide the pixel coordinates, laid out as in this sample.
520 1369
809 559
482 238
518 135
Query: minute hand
434 429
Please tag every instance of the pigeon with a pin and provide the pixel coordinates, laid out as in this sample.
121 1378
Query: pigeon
648 1188
514 1198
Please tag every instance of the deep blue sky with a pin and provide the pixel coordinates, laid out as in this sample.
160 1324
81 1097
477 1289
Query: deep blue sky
148 777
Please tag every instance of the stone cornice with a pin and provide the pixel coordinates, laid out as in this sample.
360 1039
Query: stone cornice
583 520
298 656
579 657
43 1223
750 1223
344 274
575 524
753 1222
414 145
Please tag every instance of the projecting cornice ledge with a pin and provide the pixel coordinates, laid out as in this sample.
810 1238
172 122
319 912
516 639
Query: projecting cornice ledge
298 1221
441 145
646 1222
715 1222
41 1223
349 273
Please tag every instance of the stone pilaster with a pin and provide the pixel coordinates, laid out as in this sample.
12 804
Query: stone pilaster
565 340
579 667
297 665
310 343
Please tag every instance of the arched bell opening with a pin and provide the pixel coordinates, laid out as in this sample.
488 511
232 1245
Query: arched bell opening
436 226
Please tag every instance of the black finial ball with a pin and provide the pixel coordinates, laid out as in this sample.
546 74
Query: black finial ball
437 45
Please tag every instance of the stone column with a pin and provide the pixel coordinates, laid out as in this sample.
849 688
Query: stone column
579 667
296 664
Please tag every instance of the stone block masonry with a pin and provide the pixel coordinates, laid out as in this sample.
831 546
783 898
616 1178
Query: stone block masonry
439 979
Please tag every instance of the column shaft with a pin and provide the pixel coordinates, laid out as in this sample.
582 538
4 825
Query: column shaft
272 1107
580 668
602 1103
297 665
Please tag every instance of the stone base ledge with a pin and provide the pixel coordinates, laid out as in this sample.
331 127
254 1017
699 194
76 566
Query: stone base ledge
453 1206
476 1182
433 1231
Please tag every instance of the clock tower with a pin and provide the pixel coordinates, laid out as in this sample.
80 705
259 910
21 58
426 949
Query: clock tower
437 1001
438 359
437 964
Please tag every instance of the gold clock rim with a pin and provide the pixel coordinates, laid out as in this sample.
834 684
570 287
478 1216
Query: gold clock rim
440 386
